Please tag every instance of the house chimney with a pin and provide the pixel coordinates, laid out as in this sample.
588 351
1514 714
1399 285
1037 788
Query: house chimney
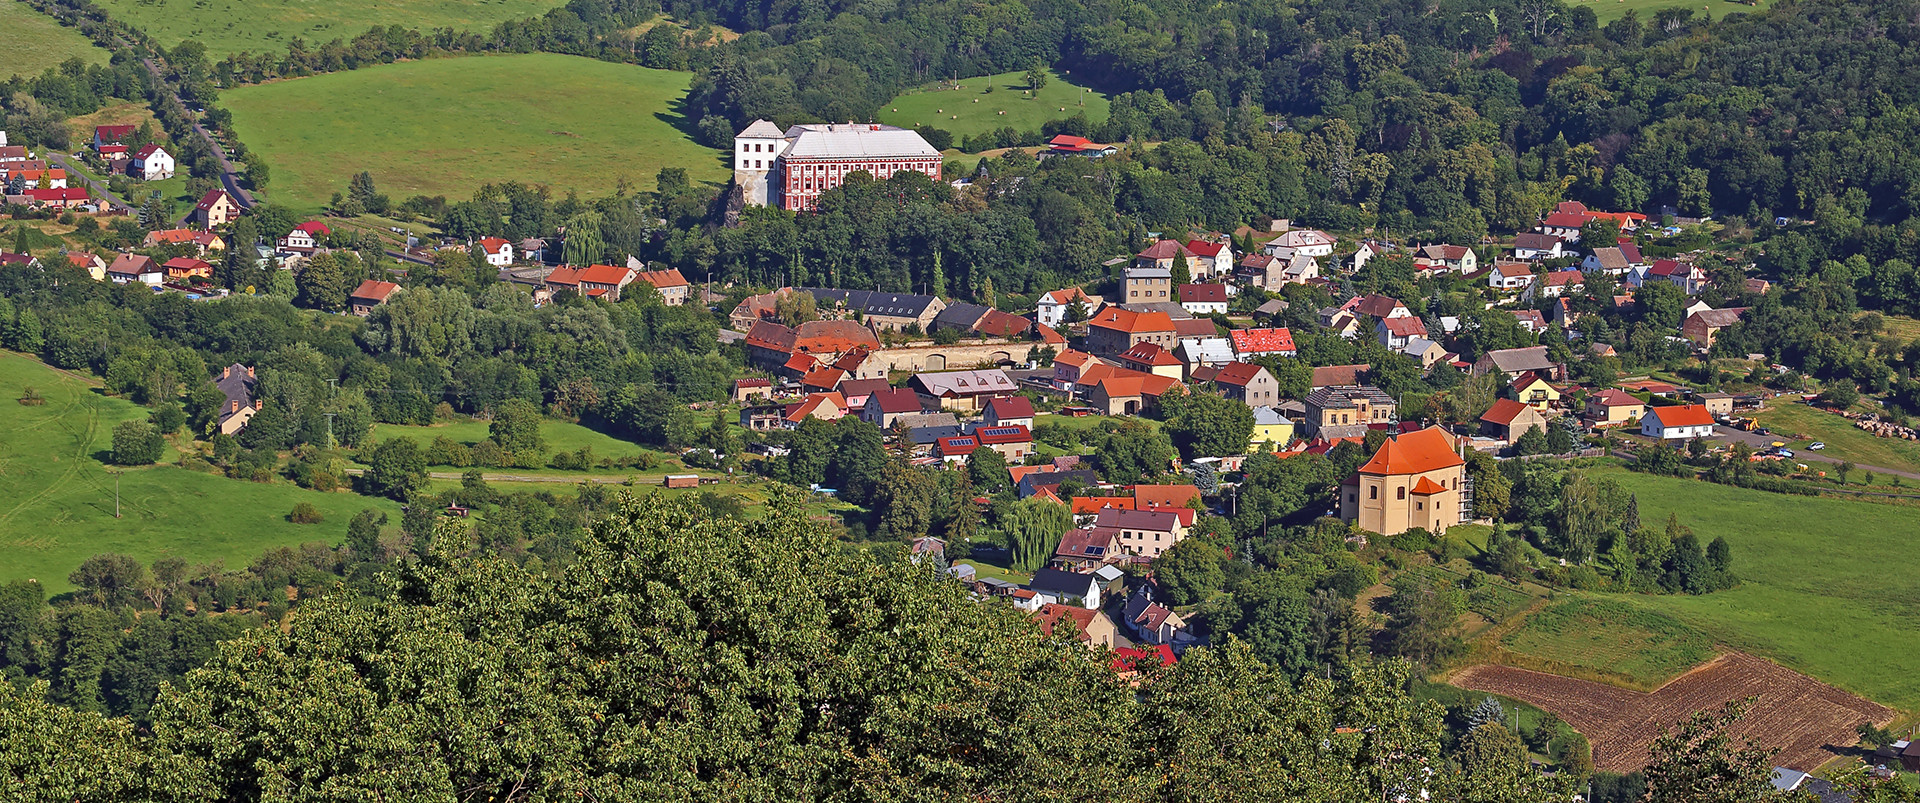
233 406
259 403
227 372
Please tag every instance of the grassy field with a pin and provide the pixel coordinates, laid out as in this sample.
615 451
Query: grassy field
32 42
446 126
1610 10
1844 441
1824 588
560 436
232 26
1606 636
59 507
972 110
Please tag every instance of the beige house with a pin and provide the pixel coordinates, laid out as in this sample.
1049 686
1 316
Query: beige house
1345 411
1414 480
1114 330
1508 419
674 289
1090 627
216 208
1614 407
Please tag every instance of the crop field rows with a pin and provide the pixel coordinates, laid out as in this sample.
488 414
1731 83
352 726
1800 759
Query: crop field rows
1801 717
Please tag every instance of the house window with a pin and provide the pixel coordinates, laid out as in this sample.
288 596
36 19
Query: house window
1400 493
1373 492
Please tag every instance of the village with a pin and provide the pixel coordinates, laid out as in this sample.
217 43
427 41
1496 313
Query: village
1207 313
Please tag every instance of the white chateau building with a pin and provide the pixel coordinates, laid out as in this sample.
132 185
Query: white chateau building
791 168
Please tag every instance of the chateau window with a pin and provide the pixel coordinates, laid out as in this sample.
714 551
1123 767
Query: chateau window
1373 492
1400 493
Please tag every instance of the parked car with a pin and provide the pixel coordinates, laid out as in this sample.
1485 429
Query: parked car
1816 446
1786 453
1763 431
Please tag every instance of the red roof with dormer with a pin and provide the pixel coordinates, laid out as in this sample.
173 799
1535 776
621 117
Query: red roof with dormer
1205 248
1149 354
315 228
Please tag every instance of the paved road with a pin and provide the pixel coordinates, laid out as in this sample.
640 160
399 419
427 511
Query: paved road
228 177
1757 441
455 475
98 188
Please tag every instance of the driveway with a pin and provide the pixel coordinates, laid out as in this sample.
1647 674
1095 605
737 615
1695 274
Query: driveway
98 188
1729 435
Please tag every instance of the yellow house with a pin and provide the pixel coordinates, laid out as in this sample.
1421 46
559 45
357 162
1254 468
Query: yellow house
1529 389
1412 481
1269 427
1613 407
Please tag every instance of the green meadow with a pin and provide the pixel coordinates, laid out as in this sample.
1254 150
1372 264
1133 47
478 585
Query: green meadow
1826 584
233 26
971 109
59 509
446 126
30 42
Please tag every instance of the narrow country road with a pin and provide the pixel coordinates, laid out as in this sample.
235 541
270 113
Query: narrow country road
98 188
455 475
228 177
1757 441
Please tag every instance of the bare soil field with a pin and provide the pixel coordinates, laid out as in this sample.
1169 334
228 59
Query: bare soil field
1806 720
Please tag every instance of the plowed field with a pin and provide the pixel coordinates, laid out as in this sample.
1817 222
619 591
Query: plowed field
1802 717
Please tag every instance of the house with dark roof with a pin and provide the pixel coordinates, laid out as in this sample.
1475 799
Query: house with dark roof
1150 621
1531 246
1514 361
1347 411
1007 411
1703 327
882 310
1203 299
1088 548
1066 588
1145 533
236 384
129 268
884 407
216 208
1327 375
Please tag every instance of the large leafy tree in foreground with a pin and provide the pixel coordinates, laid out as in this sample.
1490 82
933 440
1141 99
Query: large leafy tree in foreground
688 657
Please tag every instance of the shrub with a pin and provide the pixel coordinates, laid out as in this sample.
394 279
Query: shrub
137 443
305 513
31 397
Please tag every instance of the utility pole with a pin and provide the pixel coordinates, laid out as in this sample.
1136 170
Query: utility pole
116 492
329 430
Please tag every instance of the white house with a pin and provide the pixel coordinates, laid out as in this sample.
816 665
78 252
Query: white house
1052 310
499 252
1216 259
1530 246
151 163
1066 588
1509 276
1309 242
1683 422
1204 299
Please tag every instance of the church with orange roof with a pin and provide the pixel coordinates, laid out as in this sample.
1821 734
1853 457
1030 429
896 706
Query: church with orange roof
1418 479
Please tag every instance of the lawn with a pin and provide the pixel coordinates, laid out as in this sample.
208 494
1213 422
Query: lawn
33 41
971 110
1642 647
60 501
1610 10
1825 584
560 436
232 26
1844 441
446 126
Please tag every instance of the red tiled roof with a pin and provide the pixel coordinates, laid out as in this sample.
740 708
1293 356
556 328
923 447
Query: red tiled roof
1413 453
213 196
1148 497
1262 341
1203 293
1615 398
1685 415
1165 249
1237 374
1132 322
1503 412
1134 659
146 150
1377 306
823 378
1405 327
1149 354
895 400
1014 433
374 291
315 228
1010 407
1564 220
113 133
1427 487
492 245
1092 505
1205 248
661 279
596 274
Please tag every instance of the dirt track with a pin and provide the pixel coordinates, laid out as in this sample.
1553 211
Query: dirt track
1806 720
